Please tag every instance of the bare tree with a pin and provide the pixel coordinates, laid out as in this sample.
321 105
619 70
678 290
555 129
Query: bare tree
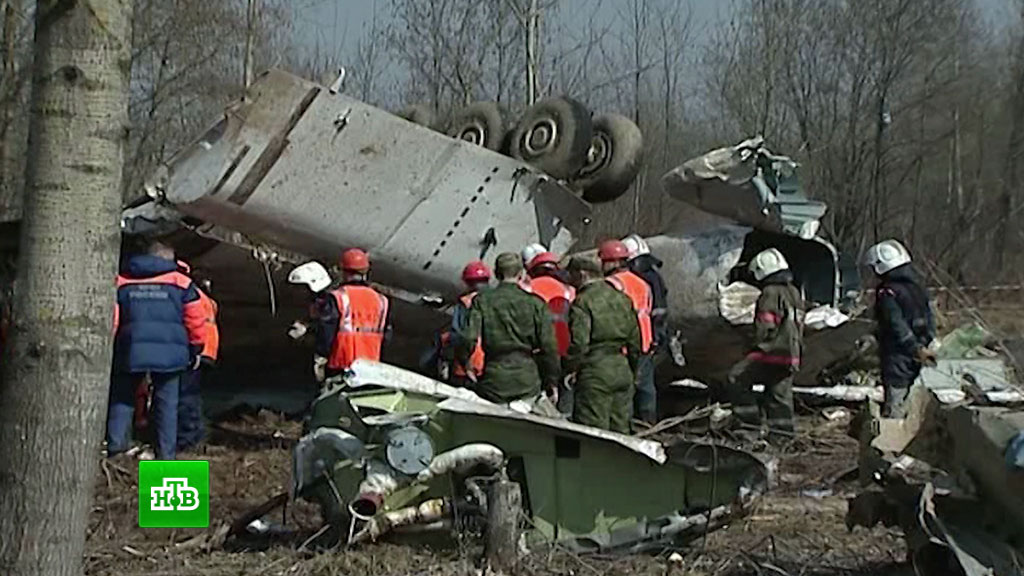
57 364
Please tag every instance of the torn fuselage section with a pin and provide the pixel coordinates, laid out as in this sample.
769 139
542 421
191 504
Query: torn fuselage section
433 450
712 288
950 476
304 170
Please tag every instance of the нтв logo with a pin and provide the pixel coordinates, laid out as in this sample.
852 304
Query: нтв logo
174 494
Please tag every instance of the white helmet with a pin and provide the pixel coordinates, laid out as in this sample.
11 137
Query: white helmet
885 256
312 274
531 251
768 262
636 245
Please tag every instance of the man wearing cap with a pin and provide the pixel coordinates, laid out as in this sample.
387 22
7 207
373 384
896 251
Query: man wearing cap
604 349
514 330
353 322
476 276
614 256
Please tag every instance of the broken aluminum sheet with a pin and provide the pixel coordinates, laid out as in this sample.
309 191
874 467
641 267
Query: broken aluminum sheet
305 170
942 475
653 450
951 381
367 373
650 494
749 184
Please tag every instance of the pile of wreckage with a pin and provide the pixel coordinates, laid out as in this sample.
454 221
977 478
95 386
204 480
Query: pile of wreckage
390 452
951 474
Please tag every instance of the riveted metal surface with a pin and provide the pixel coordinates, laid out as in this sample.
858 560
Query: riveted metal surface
315 172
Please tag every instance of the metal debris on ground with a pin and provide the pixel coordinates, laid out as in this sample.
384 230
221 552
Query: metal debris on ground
395 452
941 475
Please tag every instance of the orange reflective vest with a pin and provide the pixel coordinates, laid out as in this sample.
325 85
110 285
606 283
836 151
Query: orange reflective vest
476 359
643 302
559 299
362 318
211 334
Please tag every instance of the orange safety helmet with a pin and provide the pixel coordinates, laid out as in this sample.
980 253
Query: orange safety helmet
542 258
612 250
476 271
355 260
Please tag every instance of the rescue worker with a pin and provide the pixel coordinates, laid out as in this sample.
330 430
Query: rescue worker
476 276
642 263
613 255
517 338
318 280
190 406
546 281
353 322
158 327
775 356
906 325
604 349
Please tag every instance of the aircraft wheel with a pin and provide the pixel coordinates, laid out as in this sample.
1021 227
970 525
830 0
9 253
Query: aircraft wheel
553 135
614 159
480 123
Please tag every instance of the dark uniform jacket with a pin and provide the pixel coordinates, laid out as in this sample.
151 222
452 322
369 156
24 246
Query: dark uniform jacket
905 323
646 266
778 331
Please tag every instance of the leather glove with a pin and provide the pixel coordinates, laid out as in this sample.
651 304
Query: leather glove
925 357
319 368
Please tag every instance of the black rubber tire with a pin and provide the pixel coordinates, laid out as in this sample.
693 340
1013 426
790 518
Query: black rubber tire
480 123
613 161
421 114
562 153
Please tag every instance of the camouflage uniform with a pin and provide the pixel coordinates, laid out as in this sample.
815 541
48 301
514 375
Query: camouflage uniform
518 342
603 351
775 358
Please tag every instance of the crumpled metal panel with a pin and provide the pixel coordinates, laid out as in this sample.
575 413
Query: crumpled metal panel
303 169
749 184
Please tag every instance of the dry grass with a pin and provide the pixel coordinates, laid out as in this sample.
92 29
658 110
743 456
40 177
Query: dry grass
789 533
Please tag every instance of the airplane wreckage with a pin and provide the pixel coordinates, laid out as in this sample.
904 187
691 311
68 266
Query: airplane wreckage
298 171
390 451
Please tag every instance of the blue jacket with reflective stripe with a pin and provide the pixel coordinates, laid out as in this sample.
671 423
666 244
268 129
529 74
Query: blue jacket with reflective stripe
157 317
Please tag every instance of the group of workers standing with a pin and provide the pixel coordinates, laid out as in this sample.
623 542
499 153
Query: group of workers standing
578 341
165 334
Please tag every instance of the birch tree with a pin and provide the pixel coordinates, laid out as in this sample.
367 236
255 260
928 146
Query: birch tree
56 368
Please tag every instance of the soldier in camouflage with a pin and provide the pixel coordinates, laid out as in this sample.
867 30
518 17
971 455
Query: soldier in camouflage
603 351
517 337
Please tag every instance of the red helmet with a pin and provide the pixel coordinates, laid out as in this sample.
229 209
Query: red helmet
476 271
355 260
542 258
612 250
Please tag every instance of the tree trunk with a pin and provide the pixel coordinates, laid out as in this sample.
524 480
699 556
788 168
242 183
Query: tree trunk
504 504
57 363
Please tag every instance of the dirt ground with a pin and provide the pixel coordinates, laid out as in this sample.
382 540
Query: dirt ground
797 530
